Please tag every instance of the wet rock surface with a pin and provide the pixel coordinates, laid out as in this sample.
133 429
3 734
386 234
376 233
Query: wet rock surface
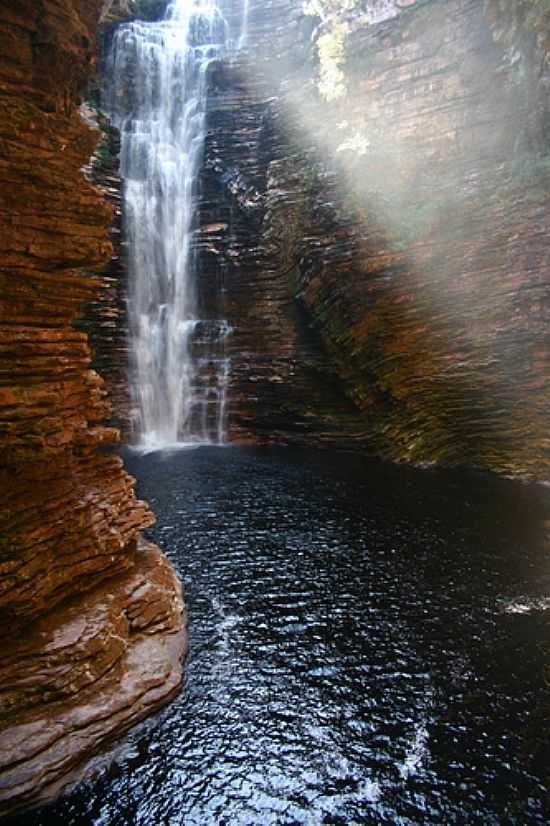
81 676
69 519
105 317
393 243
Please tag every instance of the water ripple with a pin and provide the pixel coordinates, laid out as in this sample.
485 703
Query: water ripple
359 651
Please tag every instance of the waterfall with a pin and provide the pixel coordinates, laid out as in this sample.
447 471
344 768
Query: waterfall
244 27
158 76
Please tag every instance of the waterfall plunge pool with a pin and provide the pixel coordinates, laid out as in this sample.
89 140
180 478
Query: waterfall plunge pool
369 645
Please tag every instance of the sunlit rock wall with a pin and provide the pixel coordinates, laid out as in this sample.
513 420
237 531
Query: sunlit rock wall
91 616
382 244
407 218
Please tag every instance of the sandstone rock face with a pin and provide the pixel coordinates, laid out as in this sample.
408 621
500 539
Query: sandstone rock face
105 317
79 677
79 600
283 387
408 220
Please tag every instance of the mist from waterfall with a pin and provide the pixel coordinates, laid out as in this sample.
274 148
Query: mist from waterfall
243 36
158 77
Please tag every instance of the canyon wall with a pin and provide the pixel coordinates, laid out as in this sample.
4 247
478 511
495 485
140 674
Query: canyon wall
92 615
383 254
388 246
438 322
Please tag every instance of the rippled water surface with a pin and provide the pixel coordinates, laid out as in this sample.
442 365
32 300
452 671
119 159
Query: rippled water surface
370 644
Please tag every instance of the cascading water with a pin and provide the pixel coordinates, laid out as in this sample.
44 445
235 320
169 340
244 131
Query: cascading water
244 27
179 370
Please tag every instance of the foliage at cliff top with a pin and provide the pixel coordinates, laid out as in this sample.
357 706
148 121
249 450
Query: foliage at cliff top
537 12
331 49
331 44
336 19
373 10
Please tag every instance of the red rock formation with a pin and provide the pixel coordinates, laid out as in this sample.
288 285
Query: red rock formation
79 601
80 676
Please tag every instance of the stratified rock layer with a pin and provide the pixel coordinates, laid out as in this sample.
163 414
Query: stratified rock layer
409 222
82 676
69 520
385 255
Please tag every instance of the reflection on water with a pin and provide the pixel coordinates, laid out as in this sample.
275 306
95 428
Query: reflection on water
369 645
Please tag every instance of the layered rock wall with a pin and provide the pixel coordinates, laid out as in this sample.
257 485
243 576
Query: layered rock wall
282 385
440 323
383 255
80 597
407 218
105 317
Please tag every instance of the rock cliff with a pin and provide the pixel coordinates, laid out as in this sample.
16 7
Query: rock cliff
91 615
383 245
393 237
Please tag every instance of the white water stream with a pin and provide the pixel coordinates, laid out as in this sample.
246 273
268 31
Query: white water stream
179 371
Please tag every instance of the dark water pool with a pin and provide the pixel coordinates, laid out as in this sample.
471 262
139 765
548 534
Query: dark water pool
370 644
